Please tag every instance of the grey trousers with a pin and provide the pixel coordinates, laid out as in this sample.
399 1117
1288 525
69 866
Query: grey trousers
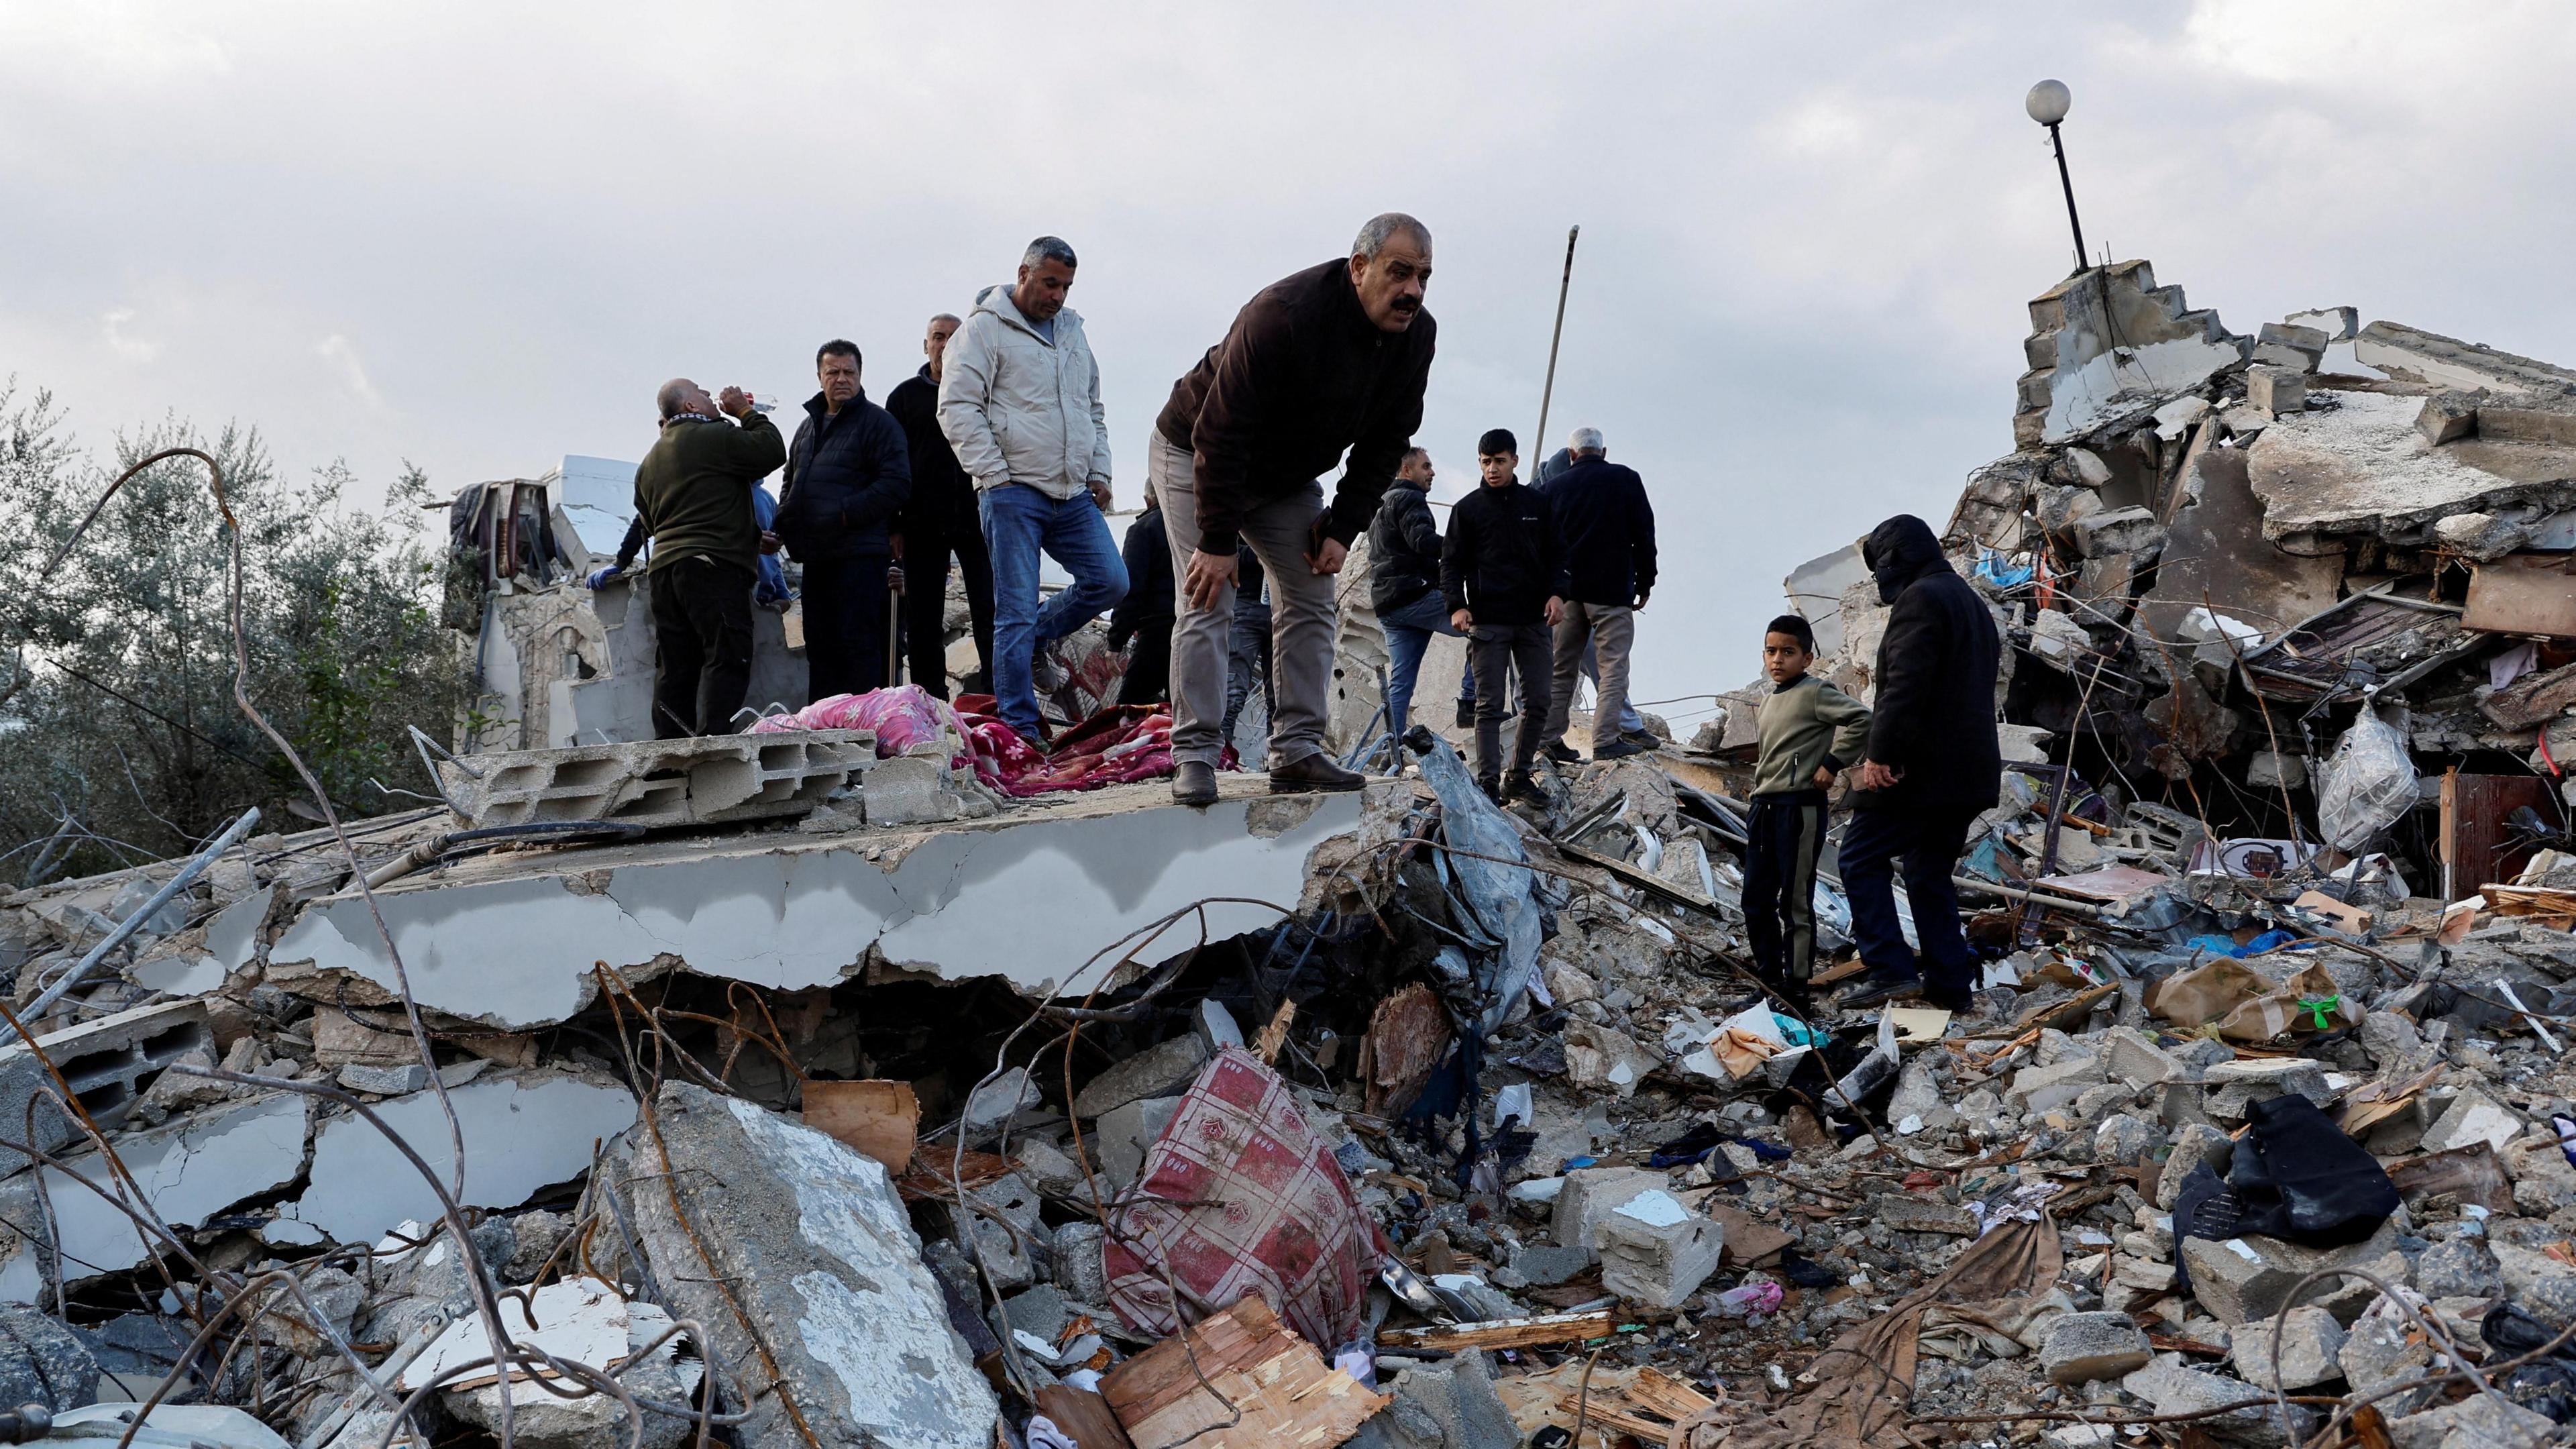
1500 651
1612 630
1301 619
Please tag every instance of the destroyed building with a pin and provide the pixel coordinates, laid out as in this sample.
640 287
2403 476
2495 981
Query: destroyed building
848 1083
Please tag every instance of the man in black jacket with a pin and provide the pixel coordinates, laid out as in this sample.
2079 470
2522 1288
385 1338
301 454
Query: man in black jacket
1934 765
1504 578
1327 361
1145 615
1404 589
1608 529
848 474
939 520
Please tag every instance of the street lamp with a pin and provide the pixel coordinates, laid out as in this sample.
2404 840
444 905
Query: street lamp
2047 103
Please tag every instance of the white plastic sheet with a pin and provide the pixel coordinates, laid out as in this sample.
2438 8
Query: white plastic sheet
2368 783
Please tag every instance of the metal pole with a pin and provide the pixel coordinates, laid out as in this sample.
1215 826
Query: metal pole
187 876
2059 142
1548 394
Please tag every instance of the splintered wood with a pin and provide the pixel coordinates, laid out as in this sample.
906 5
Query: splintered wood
1504 1332
1284 1395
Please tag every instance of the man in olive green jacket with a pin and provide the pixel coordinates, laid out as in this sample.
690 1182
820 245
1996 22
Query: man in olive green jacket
693 495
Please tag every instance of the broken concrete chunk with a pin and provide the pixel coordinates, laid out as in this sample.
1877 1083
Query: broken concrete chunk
819 1254
2310 1344
909 790
109 1063
1656 1252
2479 1421
42 1362
1126 1132
1600 1056
993 1105
2082 1347
2133 531
2482 537
1907 1212
1161 1070
384 1081
2275 390
2287 344
2337 323
2272 770
2045 1089
340 1040
523 1132
2473 1117
2175 1389
2448 417
2245 1278
1590 1195
2130 1055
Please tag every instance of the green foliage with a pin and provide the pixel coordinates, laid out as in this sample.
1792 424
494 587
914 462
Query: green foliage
122 660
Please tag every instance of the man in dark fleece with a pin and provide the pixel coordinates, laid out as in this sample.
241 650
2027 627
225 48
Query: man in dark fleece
849 473
1145 615
1502 572
693 496
1933 766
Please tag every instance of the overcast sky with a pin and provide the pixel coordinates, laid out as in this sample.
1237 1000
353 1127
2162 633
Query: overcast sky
477 236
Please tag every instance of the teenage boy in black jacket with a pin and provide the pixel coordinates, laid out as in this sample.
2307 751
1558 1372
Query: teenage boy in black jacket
1504 578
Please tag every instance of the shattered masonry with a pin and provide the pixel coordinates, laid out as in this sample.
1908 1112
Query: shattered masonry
844 1100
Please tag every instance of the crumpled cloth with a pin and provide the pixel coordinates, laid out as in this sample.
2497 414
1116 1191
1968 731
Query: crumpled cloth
1865 1381
1121 743
902 717
1239 1197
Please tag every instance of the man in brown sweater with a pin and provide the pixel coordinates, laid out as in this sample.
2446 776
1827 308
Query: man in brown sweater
693 495
1328 360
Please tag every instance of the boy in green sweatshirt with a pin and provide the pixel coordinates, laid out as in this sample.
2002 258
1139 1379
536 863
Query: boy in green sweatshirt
1810 731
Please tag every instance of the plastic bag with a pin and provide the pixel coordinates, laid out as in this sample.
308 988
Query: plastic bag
2367 784
902 717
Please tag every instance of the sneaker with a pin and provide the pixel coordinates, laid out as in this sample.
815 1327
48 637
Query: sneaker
1466 714
1522 785
1561 752
1877 990
1619 749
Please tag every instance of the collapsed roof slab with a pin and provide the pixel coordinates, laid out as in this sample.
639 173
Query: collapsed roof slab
2362 467
510 940
2428 357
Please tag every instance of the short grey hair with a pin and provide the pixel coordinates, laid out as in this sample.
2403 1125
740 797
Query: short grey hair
667 398
1382 228
1049 249
1586 440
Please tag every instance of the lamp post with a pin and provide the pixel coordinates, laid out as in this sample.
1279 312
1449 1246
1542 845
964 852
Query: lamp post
2047 103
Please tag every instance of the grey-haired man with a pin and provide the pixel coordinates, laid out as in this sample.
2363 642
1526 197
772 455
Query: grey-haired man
1607 530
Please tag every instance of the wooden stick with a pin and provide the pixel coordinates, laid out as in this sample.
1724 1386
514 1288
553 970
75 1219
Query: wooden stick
1505 1332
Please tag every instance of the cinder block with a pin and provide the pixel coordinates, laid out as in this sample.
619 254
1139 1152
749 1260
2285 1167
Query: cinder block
107 1062
707 780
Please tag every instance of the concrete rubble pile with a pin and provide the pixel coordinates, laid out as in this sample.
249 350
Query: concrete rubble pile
834 1102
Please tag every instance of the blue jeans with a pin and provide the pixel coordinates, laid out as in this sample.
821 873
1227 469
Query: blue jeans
1923 844
1018 522
1408 637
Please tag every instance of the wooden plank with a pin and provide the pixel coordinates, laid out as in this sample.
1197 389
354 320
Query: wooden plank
2477 845
1084 1415
1505 1332
882 1119
1284 1395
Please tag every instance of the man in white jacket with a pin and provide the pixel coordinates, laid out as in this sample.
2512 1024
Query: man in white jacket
1019 401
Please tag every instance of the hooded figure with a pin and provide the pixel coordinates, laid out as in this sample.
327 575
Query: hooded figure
1932 725
1933 713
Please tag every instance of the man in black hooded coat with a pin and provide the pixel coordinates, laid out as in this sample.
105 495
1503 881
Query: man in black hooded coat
1933 767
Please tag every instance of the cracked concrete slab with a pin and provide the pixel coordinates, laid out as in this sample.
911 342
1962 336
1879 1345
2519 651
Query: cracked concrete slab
512 945
188 1170
523 1132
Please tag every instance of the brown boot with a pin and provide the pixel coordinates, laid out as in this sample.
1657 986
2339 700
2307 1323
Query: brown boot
1194 783
1314 772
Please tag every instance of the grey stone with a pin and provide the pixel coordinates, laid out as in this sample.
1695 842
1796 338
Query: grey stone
2273 770
2391 1039
2463 1267
2082 1347
2193 1146
909 790
1078 1269
1039 1310
2381 1350
1589 1195
1009 1247
2132 530
2237 1085
384 1081
1449 1405
536 1236
2123 1139
2245 1278
1049 1168
1125 1133
2310 1340
1545 1265
2046 1088
1907 1212
428 1282
819 1253
2473 1116
2201 1053
2543 1180
2480 537
42 1362
1159 1070
2287 344
2174 1389
541 1419
2476 1422
2275 390
992 1106
2447 417
1658 1264
2130 1055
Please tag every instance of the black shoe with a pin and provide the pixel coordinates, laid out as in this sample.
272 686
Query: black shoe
1493 790
1963 1003
1619 749
1194 783
1561 752
1876 990
1466 714
1314 772
1521 785
1643 739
